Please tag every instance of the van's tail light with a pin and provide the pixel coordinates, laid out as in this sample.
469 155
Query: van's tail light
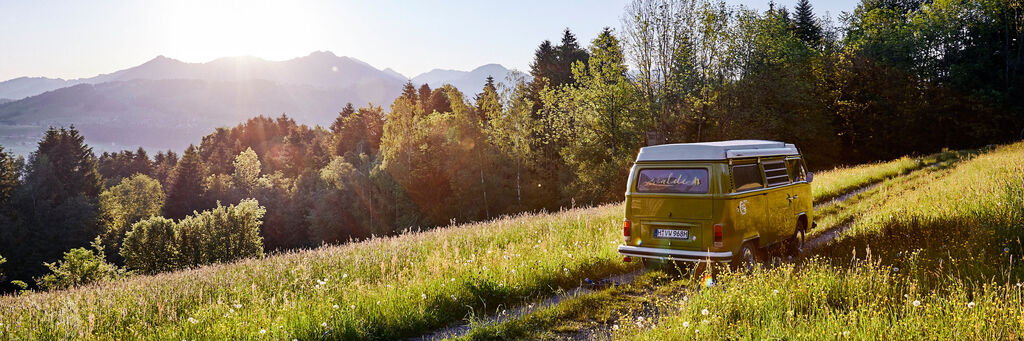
718 235
627 230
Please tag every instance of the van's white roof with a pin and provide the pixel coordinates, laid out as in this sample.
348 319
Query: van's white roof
719 150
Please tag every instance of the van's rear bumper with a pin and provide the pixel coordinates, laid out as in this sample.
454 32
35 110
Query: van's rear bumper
677 255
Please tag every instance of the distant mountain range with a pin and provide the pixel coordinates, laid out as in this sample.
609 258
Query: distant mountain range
167 104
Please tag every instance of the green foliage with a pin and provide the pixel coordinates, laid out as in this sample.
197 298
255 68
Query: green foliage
135 198
221 234
80 266
247 172
151 246
185 185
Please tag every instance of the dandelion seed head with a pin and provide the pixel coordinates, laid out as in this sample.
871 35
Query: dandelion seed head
686 324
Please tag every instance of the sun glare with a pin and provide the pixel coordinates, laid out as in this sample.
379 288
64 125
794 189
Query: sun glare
203 30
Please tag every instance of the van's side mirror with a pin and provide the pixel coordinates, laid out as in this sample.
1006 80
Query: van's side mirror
810 177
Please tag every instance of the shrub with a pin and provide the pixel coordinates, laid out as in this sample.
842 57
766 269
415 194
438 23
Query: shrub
79 266
150 246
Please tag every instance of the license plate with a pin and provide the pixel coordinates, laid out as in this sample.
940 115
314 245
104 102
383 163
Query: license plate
671 234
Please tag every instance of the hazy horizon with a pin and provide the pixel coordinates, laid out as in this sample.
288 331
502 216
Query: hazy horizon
410 38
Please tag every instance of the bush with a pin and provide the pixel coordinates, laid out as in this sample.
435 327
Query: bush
135 198
79 266
219 235
150 246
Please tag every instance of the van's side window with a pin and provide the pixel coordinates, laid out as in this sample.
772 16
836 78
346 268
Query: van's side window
796 170
679 180
747 177
775 173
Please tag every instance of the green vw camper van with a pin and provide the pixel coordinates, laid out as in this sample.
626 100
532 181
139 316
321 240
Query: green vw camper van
723 202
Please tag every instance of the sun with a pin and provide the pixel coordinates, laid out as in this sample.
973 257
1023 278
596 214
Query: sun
204 30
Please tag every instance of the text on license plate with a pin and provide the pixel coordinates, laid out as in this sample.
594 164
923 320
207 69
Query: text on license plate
671 234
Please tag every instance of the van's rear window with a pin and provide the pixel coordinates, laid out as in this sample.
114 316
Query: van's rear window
679 180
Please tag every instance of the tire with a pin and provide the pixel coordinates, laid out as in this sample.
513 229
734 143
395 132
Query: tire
748 257
796 243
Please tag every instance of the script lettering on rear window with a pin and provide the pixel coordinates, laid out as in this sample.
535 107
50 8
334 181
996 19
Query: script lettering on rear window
679 180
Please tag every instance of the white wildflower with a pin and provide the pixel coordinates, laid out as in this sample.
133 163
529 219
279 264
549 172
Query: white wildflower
192 320
423 296
775 292
324 324
846 333
335 306
352 306
238 306
917 303
686 324
615 327
263 331
970 305
344 276
704 312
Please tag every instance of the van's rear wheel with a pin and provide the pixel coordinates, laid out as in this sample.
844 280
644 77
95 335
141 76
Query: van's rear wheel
796 243
747 258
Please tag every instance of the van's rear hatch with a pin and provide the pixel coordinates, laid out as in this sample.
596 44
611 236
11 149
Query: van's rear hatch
674 221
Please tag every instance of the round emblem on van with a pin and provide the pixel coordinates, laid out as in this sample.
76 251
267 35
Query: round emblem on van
742 208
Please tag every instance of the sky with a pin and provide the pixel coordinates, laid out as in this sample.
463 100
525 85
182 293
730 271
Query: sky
77 39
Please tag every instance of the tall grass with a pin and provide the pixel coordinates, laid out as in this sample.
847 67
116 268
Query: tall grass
836 182
933 257
382 288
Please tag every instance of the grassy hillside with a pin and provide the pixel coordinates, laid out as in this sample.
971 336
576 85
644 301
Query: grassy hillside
382 288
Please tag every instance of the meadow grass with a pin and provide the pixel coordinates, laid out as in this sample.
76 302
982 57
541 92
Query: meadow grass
933 257
831 184
383 288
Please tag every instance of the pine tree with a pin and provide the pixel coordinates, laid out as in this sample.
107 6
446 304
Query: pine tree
807 27
185 186
487 102
408 91
349 110
424 98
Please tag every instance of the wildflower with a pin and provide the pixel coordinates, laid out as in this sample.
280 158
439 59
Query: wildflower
790 312
263 331
335 306
238 306
917 303
775 292
615 327
378 302
640 318
686 324
344 276
192 320
324 324
352 306
704 312
1006 249
846 333
423 296
970 305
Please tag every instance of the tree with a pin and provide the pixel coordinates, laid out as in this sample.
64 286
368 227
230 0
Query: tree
409 91
606 128
806 26
185 186
488 103
424 98
10 179
150 246
247 172
135 198
221 234
80 266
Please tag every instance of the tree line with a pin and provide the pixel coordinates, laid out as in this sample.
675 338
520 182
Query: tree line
893 77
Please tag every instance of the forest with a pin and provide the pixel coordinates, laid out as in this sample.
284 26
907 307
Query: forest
891 78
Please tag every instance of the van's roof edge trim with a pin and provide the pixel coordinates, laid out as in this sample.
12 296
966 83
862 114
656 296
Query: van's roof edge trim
715 151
